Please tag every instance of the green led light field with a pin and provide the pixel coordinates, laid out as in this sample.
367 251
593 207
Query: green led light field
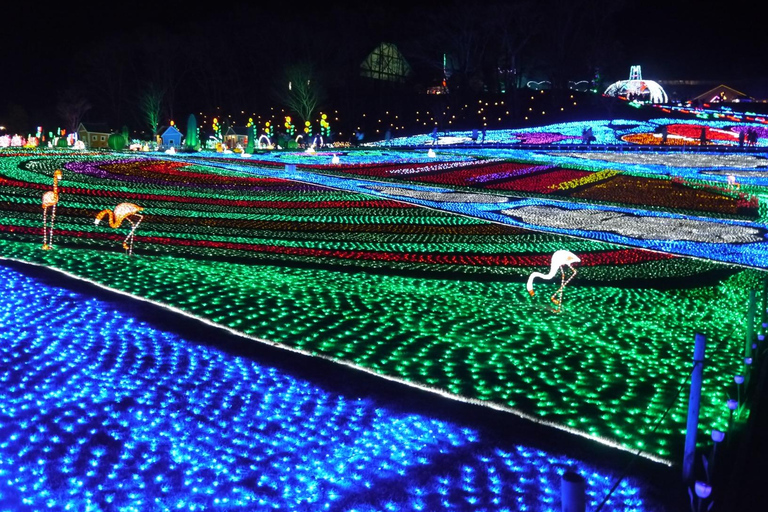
418 295
608 366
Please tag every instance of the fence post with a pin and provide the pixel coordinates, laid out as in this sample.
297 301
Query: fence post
694 402
764 304
572 492
750 333
763 317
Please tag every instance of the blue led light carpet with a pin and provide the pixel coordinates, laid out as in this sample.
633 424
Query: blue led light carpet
104 406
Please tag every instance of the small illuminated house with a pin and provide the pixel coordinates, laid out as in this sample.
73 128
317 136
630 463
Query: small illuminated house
171 136
236 135
637 89
94 135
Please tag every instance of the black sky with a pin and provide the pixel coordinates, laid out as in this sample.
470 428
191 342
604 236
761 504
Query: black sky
671 40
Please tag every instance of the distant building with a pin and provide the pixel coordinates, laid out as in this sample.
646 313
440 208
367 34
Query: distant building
386 63
699 92
170 136
94 135
722 94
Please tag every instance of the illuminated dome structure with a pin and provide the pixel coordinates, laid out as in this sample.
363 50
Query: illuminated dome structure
637 89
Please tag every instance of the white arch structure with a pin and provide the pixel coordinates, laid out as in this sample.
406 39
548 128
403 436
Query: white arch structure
637 89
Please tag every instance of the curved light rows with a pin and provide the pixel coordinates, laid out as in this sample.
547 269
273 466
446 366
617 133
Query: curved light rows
750 249
612 132
430 345
197 211
101 410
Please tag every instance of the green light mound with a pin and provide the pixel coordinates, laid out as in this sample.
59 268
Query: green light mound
116 142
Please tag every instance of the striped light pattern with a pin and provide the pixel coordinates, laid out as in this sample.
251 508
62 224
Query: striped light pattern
612 132
197 211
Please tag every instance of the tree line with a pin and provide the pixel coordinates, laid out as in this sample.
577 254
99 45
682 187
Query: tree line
245 58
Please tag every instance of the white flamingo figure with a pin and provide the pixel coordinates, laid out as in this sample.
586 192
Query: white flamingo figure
560 259
50 200
123 211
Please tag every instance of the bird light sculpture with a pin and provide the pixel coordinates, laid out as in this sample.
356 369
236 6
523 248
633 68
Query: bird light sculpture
50 200
123 211
560 259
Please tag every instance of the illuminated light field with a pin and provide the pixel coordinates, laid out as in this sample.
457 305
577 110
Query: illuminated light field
726 239
604 186
207 216
418 295
104 411
721 129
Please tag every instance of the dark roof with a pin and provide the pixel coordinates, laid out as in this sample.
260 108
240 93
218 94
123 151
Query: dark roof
95 127
238 130
730 93
163 129
686 90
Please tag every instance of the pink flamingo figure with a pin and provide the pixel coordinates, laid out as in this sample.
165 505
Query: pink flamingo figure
560 259
124 211
50 200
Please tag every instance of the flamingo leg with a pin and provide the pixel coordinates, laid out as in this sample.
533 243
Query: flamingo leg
50 229
126 246
563 283
45 229
557 297
572 276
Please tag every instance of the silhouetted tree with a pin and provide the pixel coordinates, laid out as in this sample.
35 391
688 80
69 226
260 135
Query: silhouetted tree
576 39
71 108
150 103
300 90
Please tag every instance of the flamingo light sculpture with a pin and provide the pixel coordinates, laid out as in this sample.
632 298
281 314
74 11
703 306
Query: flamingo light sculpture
50 200
560 259
123 211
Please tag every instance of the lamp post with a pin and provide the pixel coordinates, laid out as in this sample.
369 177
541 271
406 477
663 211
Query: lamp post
694 401
747 370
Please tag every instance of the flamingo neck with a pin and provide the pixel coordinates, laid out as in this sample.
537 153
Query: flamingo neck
112 222
529 285
56 187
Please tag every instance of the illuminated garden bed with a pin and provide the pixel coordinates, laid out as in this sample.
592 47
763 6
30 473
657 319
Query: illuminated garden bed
605 185
606 368
721 130
203 212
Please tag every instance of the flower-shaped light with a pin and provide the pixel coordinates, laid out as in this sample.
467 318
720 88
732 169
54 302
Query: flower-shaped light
703 490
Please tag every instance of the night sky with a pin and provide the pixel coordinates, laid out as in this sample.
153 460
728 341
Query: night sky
42 45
